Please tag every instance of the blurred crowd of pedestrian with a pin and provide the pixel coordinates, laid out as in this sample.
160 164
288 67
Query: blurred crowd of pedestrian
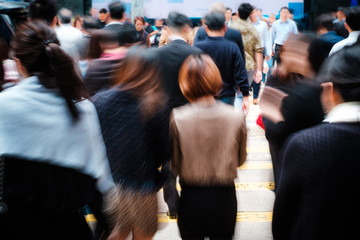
97 114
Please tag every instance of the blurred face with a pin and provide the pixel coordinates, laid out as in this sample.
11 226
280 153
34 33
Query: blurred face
284 14
139 25
272 19
103 17
228 14
253 16
159 23
295 57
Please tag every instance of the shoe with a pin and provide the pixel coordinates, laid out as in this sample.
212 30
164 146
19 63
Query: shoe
255 101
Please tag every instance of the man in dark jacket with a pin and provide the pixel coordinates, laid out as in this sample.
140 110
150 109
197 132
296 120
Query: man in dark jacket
171 58
227 58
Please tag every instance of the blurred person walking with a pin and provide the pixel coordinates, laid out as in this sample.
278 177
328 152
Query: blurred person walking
171 58
296 106
52 155
324 28
143 36
230 34
44 10
114 44
352 24
227 58
136 134
320 164
209 143
103 17
280 31
253 50
70 37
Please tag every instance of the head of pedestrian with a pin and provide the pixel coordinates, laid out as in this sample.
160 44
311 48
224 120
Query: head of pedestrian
340 78
117 12
352 22
65 16
254 16
199 77
215 24
44 10
139 74
228 14
244 10
179 24
217 7
284 14
324 23
103 15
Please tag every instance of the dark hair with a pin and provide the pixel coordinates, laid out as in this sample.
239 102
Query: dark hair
215 21
139 18
353 18
37 47
90 23
139 73
286 8
65 15
117 10
342 69
324 20
245 10
199 77
127 34
103 10
228 9
177 20
43 10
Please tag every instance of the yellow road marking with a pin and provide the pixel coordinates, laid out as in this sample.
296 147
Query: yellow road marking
241 217
90 218
246 186
255 186
255 166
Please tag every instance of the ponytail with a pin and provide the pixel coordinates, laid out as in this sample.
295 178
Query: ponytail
61 69
38 49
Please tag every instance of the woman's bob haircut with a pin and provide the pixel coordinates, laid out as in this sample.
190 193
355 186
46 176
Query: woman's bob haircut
199 77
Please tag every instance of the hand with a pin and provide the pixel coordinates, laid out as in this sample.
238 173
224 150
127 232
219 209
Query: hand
245 105
267 58
257 76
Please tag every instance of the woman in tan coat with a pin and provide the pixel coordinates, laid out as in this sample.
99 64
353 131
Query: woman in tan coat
209 140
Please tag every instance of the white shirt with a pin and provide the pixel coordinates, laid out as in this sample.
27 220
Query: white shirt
280 31
70 40
264 33
350 40
348 112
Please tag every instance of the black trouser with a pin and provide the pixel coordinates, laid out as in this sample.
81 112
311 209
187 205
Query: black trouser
207 211
277 53
171 195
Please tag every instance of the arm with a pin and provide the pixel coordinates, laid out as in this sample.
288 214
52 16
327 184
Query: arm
267 43
241 79
200 35
176 151
258 48
273 36
295 30
242 142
